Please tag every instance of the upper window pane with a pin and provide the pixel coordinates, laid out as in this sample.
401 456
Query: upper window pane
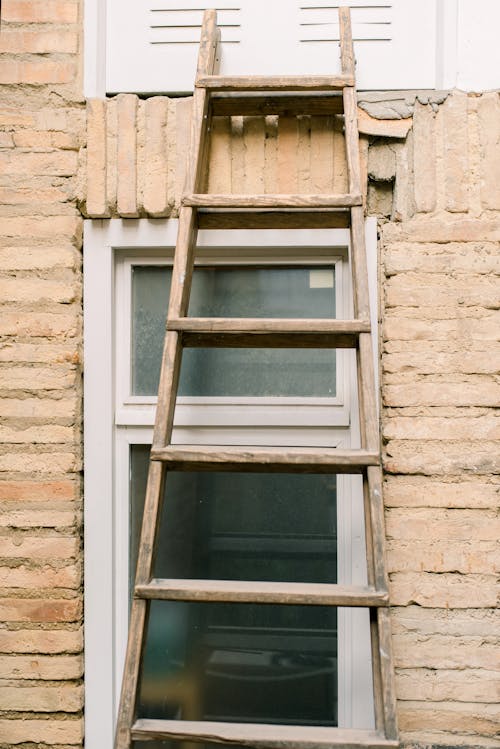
236 291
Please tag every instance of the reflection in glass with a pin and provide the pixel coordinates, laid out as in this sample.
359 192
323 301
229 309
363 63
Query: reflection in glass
241 526
240 662
237 291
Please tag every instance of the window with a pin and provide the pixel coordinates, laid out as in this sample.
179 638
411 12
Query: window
259 400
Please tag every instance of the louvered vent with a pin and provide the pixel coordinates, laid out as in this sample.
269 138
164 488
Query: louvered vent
171 24
370 22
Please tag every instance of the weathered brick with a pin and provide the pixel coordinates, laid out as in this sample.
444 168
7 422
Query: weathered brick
437 651
37 490
42 610
456 152
433 361
44 352
43 667
419 290
6 140
40 324
478 557
486 427
55 228
40 408
460 685
32 11
443 524
430 457
427 623
53 462
424 162
126 156
96 198
463 257
40 577
57 163
448 716
23 546
421 491
38 41
57 732
488 117
36 73
443 229
59 377
443 590
50 517
156 198
468 390
41 641
36 258
53 434
66 698
432 326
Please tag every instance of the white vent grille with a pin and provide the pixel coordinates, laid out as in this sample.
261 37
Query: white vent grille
370 23
170 24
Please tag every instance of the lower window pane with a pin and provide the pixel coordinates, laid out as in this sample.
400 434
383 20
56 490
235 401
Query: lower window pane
241 526
240 662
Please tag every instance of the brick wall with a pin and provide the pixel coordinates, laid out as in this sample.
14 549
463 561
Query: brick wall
41 131
436 194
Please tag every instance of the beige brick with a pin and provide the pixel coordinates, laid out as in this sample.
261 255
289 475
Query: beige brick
403 327
37 73
237 155
219 173
36 258
489 129
32 196
383 128
466 428
68 228
53 353
456 151
51 435
424 162
430 457
41 641
476 557
65 698
45 140
287 154
421 491
420 289
22 546
37 290
322 156
414 739
39 610
24 462
42 731
478 626
448 716
126 195
443 590
432 361
254 154
271 154
96 198
11 116
442 524
464 257
32 11
38 41
40 324
437 651
183 109
468 390
443 229
36 490
156 197
39 408
43 667
463 685
56 163
40 577
34 378
36 518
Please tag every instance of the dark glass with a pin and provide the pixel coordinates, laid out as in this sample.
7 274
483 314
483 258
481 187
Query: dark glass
241 526
236 291
240 662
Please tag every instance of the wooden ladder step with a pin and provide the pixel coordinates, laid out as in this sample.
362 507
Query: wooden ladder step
269 218
227 104
268 459
230 201
237 591
274 83
261 332
263 736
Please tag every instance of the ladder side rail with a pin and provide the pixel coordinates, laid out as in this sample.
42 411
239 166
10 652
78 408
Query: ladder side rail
170 369
383 681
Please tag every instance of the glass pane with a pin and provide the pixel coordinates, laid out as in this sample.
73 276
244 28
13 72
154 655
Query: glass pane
277 291
240 662
241 526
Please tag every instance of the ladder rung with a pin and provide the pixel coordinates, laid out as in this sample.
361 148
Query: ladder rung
214 218
314 594
212 200
281 104
261 735
268 459
275 83
259 332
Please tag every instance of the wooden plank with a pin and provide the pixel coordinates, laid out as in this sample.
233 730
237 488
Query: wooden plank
220 219
259 332
238 591
268 459
279 200
275 83
280 104
387 674
260 735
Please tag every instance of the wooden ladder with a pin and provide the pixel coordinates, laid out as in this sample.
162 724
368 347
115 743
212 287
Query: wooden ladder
223 95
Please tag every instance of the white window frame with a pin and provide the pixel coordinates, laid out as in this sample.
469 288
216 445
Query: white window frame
111 426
